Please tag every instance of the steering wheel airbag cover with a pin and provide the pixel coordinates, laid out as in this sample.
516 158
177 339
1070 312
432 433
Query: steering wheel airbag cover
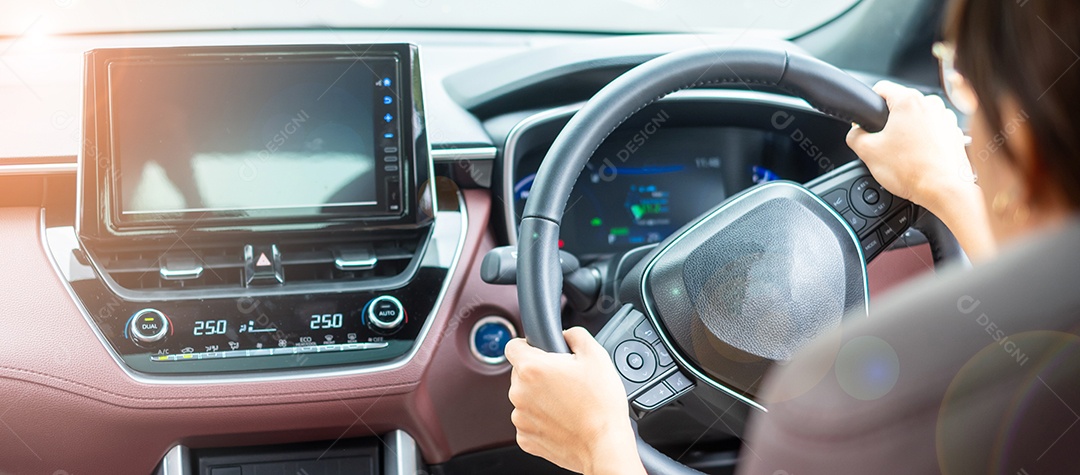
754 281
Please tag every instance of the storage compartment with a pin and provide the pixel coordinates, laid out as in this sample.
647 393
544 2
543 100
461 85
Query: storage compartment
352 457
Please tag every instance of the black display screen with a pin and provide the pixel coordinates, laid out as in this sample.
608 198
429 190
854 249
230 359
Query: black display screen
633 194
236 138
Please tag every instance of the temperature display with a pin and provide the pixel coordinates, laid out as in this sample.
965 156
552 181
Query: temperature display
326 320
210 327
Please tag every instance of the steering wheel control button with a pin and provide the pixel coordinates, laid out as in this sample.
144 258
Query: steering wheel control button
856 222
895 225
148 326
662 355
489 337
630 352
869 198
385 313
645 331
654 397
837 199
678 382
871 245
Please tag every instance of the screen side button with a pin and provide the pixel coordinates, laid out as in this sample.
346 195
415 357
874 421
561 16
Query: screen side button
393 194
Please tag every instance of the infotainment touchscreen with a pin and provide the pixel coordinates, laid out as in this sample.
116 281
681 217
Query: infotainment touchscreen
249 135
245 139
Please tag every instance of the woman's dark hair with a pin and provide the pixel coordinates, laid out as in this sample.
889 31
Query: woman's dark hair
1025 50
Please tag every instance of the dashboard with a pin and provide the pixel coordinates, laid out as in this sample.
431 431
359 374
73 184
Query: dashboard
671 163
176 334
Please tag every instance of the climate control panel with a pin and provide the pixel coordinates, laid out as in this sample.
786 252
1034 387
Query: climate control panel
265 332
222 337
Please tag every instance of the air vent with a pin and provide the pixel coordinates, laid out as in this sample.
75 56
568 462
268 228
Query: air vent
221 266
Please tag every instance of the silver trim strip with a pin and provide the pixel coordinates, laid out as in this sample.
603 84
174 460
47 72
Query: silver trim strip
16 169
509 158
402 457
439 155
650 312
472 338
183 274
291 350
274 375
356 264
251 208
177 461
443 155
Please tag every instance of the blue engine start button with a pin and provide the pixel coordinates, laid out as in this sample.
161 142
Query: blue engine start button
489 338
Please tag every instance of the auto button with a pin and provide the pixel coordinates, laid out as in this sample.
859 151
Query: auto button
385 313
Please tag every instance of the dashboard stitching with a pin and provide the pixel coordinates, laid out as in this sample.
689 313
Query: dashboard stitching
405 386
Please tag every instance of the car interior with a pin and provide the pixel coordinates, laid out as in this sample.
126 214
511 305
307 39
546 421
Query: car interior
294 236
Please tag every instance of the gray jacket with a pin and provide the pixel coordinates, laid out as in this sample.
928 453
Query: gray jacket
969 371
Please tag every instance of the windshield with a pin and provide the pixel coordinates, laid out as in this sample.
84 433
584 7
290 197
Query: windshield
781 17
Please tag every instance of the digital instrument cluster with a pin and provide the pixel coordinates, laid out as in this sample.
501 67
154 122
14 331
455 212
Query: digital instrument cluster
632 194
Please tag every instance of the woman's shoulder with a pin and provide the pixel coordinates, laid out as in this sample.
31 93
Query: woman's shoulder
947 355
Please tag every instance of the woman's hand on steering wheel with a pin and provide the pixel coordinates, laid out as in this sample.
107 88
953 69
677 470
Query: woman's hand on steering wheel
920 153
571 409
920 156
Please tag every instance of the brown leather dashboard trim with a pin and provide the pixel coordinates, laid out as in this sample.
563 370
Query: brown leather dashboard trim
67 405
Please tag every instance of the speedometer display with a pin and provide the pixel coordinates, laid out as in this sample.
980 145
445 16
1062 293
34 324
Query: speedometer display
616 208
632 193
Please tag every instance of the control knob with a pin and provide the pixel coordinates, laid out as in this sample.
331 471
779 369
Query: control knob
385 313
148 326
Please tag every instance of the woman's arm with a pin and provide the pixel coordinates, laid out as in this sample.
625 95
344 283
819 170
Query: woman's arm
921 156
571 409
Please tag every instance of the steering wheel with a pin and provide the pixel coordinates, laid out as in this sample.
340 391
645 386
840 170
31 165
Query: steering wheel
747 283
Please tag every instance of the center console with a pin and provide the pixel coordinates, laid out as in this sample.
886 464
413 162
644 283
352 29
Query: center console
254 211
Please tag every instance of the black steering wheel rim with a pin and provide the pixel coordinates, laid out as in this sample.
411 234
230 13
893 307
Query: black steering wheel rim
823 86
